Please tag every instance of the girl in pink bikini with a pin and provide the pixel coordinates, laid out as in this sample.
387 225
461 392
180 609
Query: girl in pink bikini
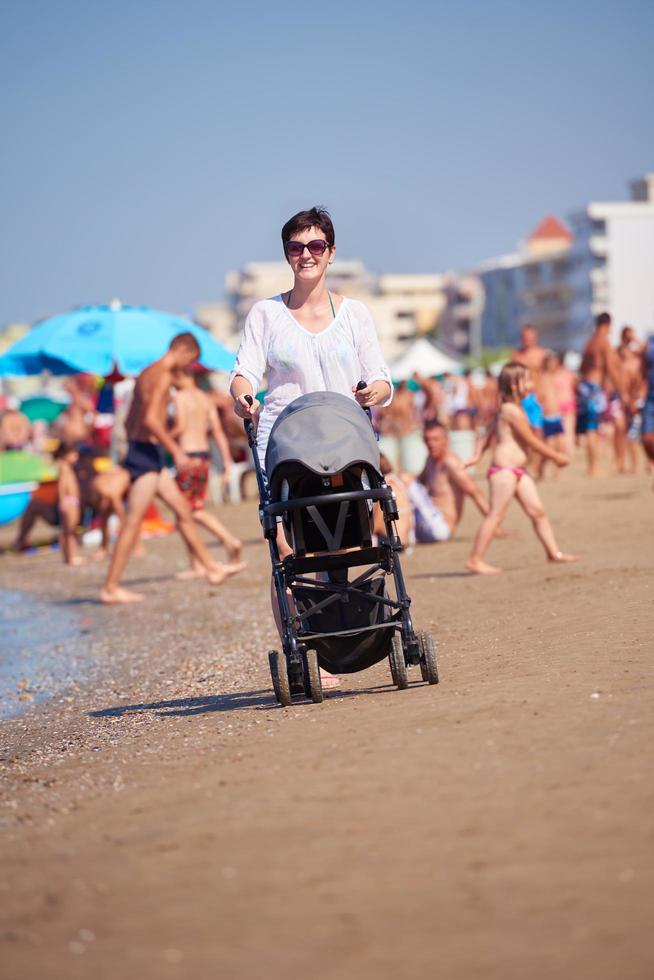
507 477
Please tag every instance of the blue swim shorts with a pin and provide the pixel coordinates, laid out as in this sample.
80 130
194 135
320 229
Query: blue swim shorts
591 403
552 426
142 458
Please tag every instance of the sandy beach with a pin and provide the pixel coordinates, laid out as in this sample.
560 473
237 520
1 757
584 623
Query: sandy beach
163 818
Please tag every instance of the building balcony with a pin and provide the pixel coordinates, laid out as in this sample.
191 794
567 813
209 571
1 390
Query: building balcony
599 276
558 294
601 294
598 244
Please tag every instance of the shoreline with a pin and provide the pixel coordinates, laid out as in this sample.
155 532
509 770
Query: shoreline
44 654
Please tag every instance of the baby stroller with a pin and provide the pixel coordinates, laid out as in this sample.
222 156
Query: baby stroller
322 479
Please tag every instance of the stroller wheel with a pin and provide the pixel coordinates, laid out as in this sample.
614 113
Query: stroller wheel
279 674
312 682
398 663
428 664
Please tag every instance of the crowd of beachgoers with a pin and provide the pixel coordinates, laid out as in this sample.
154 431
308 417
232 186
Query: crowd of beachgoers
431 437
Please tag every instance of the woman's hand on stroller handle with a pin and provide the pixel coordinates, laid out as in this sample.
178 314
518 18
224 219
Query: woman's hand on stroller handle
368 395
247 407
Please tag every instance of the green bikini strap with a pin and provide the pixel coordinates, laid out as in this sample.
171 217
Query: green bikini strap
287 301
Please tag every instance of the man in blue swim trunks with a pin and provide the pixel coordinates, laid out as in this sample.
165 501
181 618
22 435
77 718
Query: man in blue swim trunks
148 438
599 372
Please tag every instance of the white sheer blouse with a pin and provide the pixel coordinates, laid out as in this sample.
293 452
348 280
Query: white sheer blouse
297 361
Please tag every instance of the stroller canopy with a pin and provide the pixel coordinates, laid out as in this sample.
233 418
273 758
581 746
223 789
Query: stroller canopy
324 432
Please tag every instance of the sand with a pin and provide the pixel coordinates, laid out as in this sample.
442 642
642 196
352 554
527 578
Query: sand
163 818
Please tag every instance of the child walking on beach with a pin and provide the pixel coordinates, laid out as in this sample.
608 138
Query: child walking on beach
69 503
507 476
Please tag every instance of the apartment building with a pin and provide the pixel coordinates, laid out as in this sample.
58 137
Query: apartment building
561 278
612 262
529 285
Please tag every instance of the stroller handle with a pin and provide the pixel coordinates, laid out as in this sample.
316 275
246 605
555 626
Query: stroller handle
280 507
270 527
360 386
248 422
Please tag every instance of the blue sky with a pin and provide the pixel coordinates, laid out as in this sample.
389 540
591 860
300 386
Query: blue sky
150 146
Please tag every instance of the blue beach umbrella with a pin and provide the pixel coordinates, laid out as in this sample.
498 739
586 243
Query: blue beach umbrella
19 365
97 339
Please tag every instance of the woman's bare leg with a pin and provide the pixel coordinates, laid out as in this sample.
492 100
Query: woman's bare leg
284 551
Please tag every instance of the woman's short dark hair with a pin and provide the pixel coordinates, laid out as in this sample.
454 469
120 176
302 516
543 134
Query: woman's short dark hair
304 220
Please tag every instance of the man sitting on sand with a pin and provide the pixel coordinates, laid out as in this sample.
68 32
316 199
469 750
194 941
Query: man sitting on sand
447 485
148 437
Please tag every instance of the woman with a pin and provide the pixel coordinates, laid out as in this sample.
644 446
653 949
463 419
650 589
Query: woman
307 339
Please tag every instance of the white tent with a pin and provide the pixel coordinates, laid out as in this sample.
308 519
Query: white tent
425 358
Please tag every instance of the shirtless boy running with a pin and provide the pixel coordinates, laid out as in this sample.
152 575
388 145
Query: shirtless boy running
148 437
196 420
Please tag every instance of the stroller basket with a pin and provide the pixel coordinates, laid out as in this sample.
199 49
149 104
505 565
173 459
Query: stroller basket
358 614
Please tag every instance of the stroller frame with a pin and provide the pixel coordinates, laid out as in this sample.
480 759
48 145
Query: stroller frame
296 671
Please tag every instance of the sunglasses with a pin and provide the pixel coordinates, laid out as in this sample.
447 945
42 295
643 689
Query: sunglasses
317 247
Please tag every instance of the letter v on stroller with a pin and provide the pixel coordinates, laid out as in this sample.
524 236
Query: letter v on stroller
322 479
